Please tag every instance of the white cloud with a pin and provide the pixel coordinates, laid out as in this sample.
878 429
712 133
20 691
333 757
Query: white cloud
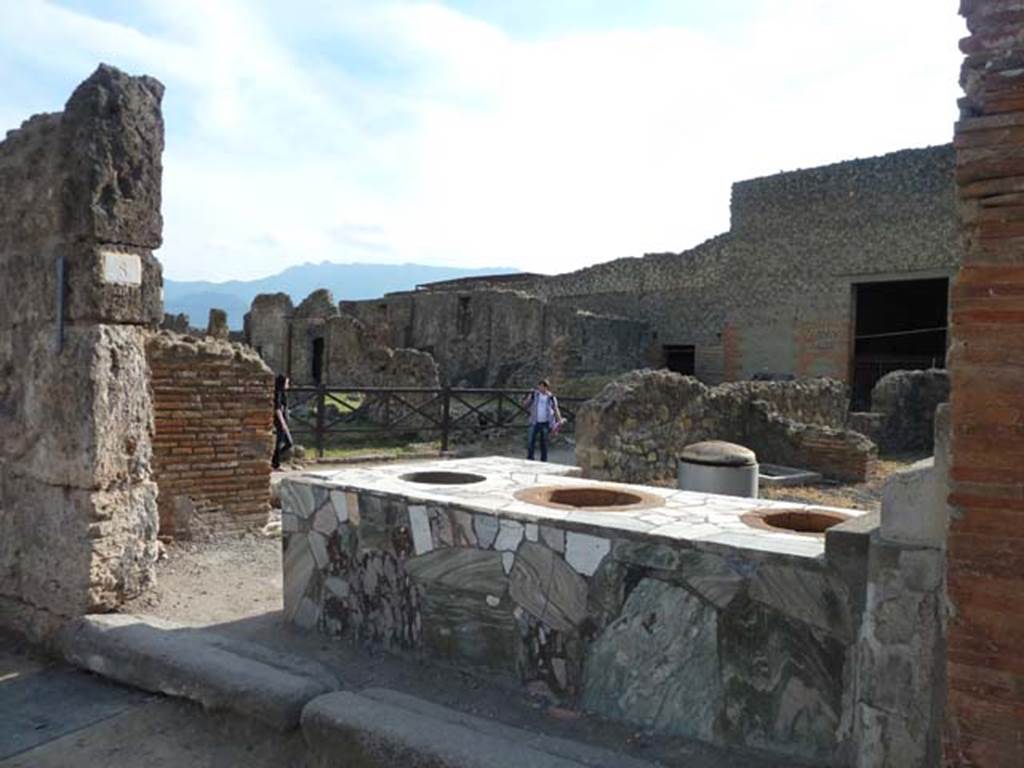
475 148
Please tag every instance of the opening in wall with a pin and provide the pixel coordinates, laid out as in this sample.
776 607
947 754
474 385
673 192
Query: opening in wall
680 358
318 359
899 325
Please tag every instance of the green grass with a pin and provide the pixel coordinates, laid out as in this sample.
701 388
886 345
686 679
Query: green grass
391 447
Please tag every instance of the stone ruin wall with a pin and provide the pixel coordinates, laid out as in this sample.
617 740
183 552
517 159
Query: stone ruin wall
213 411
637 427
903 407
774 293
267 329
500 338
79 287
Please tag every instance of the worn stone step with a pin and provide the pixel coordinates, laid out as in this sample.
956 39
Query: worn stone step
196 664
380 728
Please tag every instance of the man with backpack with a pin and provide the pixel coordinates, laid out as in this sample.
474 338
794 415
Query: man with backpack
542 406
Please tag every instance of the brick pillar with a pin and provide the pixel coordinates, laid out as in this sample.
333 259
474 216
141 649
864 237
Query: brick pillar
985 704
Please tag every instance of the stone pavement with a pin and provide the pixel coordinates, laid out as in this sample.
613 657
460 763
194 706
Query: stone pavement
54 716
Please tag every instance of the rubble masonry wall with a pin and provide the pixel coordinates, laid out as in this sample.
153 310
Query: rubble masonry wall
635 429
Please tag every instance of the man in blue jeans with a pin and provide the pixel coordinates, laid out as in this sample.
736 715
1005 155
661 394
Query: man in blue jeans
542 406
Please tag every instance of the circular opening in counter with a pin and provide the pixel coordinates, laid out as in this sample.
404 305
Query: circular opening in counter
810 521
443 478
594 498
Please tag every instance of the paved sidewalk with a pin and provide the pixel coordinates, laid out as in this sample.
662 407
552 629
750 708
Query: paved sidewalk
54 716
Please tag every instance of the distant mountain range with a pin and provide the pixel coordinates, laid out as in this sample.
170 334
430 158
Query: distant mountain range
346 281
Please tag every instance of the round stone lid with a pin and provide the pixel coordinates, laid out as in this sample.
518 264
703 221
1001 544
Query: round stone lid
718 453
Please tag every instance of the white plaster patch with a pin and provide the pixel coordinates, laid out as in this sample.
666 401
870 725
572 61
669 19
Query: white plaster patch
507 561
493 601
585 553
531 531
419 524
509 535
121 268
339 500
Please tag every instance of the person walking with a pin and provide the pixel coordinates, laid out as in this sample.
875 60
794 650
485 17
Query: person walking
542 406
282 435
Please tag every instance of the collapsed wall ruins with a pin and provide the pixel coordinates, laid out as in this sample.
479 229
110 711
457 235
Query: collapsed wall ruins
492 338
80 287
500 338
636 428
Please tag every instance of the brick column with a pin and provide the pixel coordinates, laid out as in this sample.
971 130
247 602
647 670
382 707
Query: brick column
985 705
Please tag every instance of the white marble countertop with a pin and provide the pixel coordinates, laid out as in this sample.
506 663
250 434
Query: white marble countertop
707 520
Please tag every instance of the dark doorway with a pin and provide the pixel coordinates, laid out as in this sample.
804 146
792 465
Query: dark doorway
318 359
900 325
680 358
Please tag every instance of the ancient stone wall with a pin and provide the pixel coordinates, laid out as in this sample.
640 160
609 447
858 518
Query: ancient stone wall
356 359
505 338
267 329
307 334
985 705
636 428
774 293
213 403
78 286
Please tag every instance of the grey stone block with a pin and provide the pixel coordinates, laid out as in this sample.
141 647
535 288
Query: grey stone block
196 664
385 728
657 665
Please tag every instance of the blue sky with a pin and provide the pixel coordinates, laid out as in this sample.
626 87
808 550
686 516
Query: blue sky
539 135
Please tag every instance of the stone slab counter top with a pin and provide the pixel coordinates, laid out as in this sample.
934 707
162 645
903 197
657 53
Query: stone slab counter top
682 613
704 520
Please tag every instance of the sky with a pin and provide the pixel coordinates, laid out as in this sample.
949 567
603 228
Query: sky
542 135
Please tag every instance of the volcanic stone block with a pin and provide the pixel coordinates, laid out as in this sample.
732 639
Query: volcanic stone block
113 138
88 390
657 665
44 529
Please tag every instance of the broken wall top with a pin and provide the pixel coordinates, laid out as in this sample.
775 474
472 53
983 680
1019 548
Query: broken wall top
83 186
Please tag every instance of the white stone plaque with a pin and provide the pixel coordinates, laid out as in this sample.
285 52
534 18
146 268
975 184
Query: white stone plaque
121 268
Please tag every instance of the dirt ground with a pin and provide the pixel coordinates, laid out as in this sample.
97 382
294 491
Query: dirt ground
851 495
216 581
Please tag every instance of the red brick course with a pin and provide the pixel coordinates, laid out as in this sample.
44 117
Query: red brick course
213 436
985 704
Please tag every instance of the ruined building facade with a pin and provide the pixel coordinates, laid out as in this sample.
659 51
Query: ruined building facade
425 338
840 271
